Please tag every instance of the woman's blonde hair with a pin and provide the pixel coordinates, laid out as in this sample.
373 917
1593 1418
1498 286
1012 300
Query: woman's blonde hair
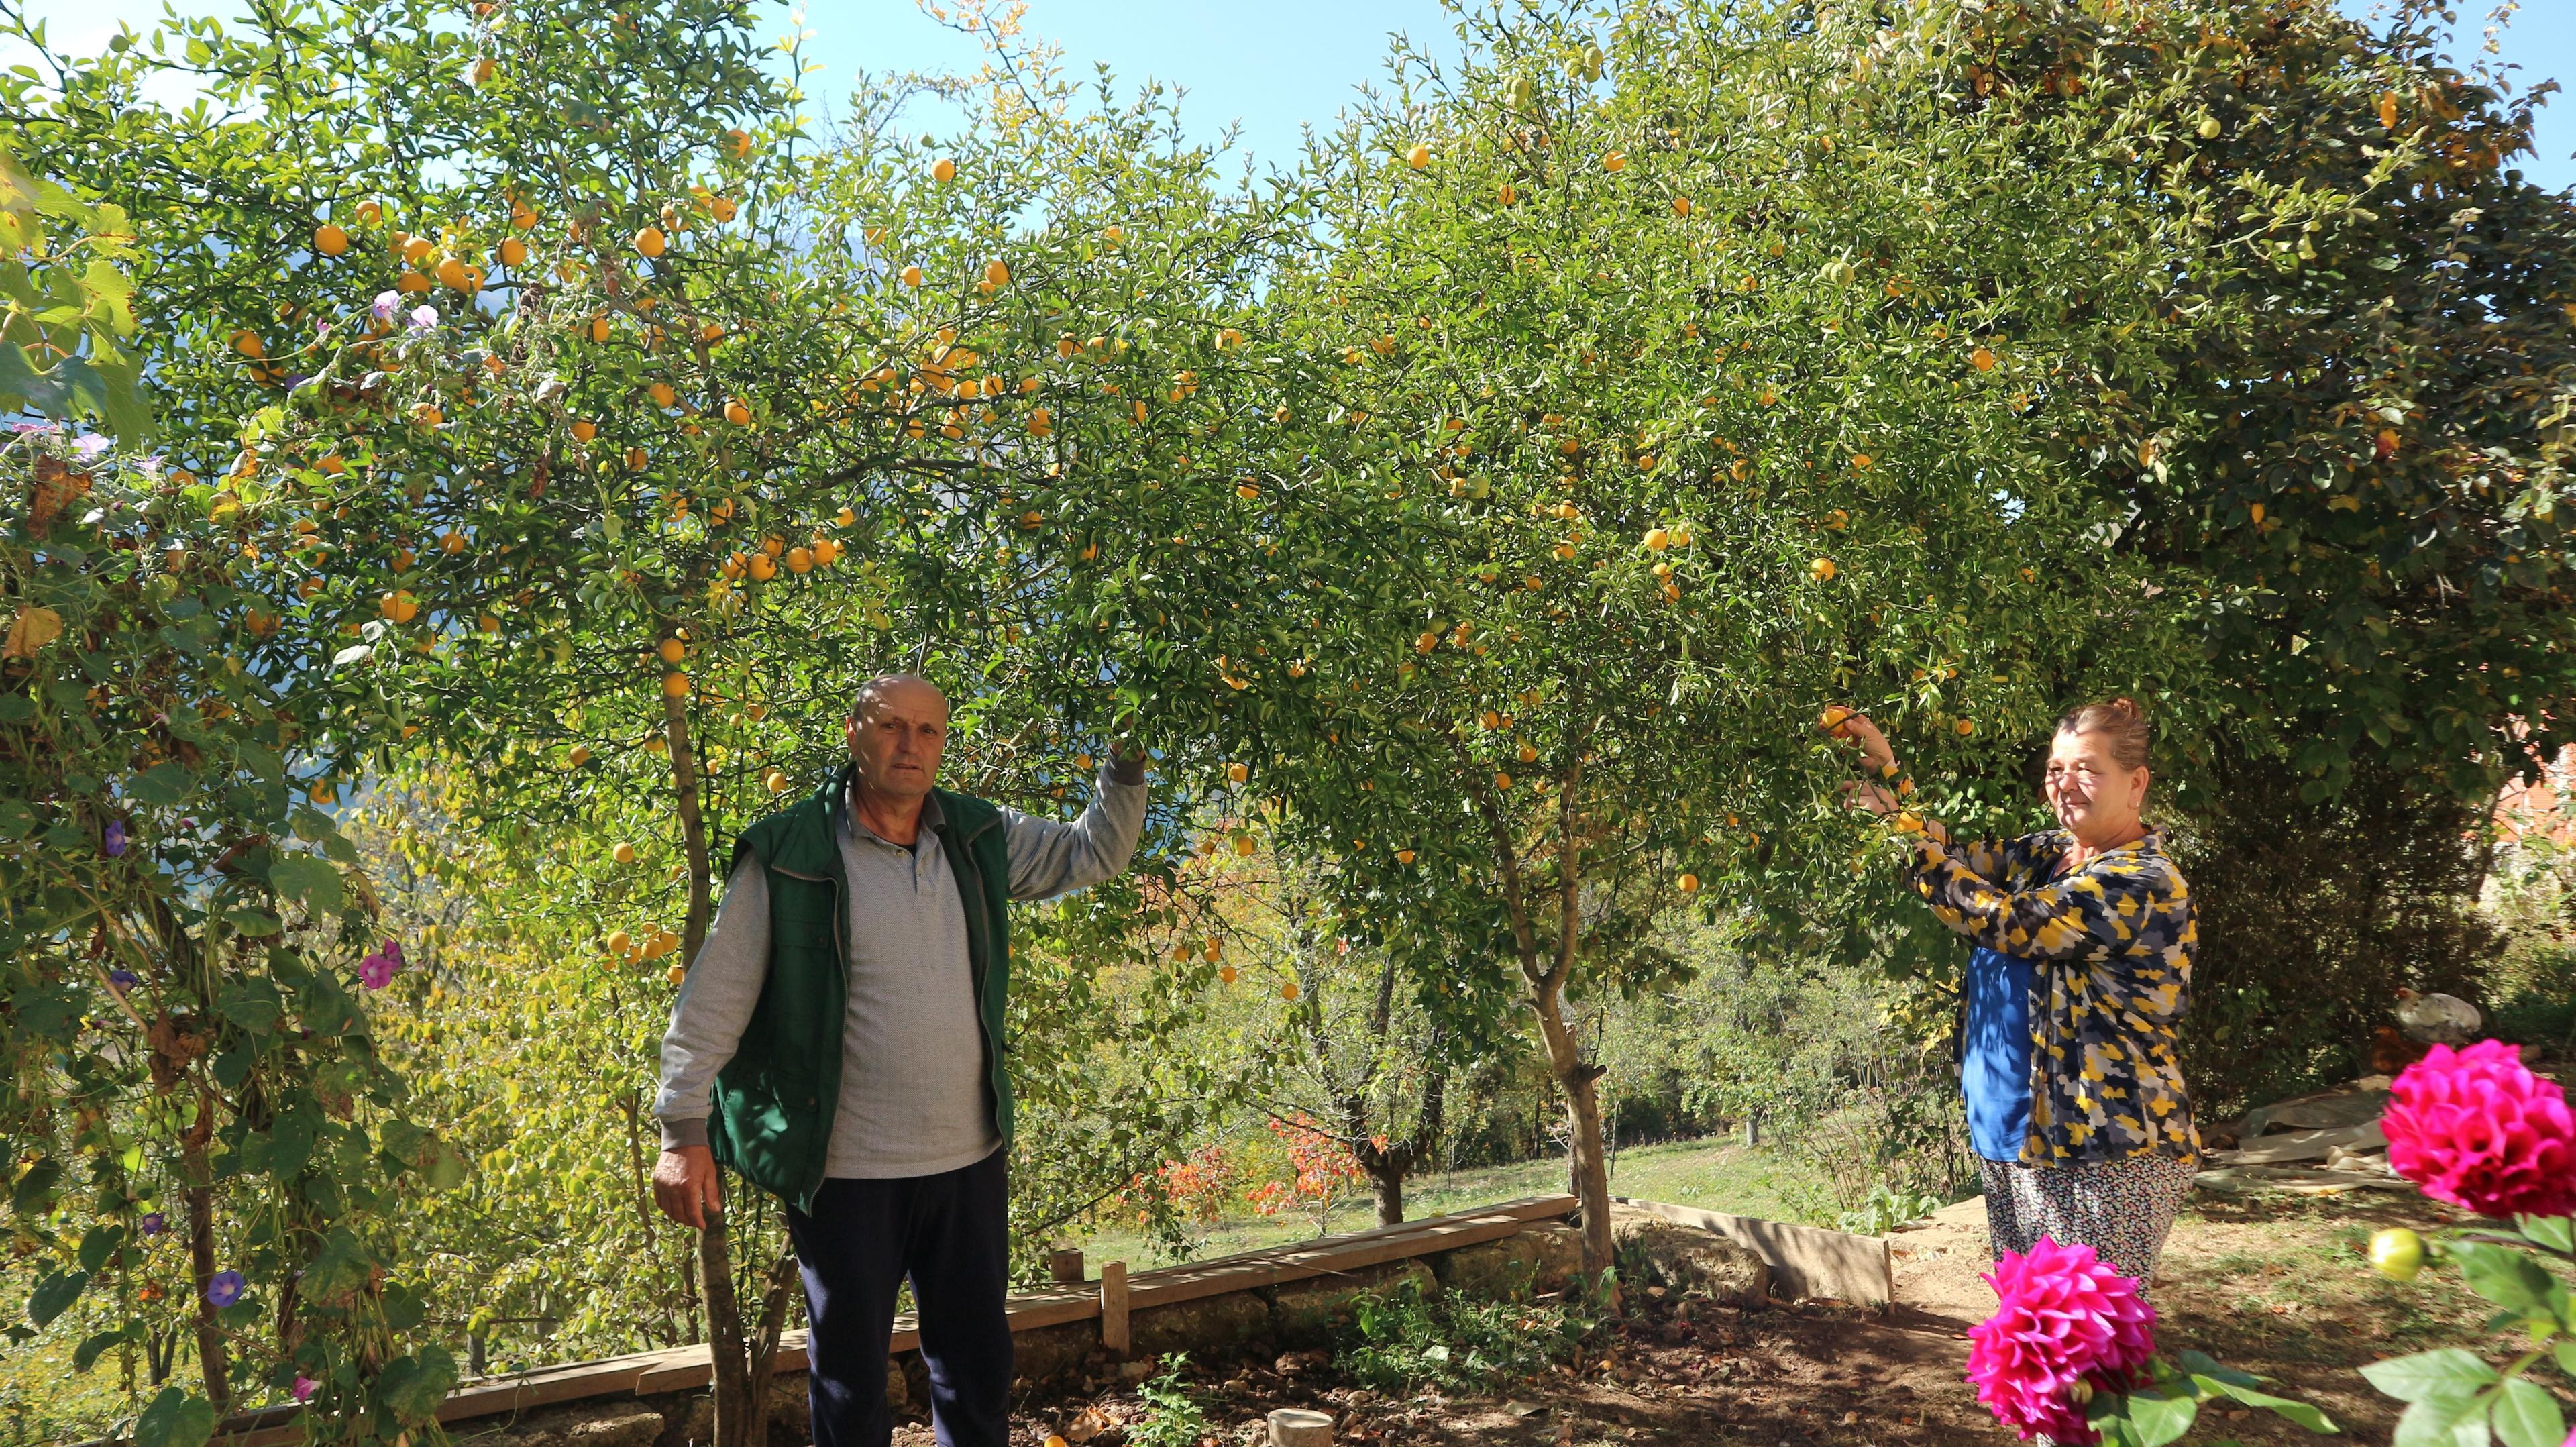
2120 722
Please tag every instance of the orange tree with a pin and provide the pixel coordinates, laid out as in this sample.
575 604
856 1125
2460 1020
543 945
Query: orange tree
2368 465
204 1143
568 436
1696 375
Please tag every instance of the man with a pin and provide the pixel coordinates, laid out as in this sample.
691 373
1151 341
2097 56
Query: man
839 1044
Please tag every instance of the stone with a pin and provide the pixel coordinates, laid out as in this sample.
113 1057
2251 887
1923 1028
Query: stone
695 1427
1539 1258
1314 1309
1298 1427
1208 1328
621 1424
1049 1354
1692 1259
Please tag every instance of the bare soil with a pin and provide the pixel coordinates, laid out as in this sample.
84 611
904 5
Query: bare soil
2271 1283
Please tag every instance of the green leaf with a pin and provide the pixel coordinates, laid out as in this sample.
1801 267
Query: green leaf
34 1186
2556 1233
2502 1275
98 1244
2565 1353
163 786
175 1419
86 1355
54 1294
2444 1370
2283 1407
2160 1418
447 1168
2109 1415
412 1387
2444 1419
2202 1364
309 880
2527 1416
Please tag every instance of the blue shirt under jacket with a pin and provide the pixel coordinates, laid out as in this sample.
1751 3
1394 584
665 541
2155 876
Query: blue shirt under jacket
1994 1058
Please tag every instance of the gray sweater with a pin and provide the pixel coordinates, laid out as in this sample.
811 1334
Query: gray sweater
912 1055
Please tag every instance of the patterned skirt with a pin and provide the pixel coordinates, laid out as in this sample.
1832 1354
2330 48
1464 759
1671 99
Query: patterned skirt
2122 1209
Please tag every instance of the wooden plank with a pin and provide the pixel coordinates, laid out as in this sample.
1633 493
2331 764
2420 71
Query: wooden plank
1805 1260
1053 1308
2283 1147
1113 1306
1525 1209
1183 1284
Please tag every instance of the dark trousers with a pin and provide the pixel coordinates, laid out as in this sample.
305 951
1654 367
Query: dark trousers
948 1234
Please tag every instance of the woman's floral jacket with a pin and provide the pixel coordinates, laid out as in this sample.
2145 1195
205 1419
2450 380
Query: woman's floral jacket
2111 945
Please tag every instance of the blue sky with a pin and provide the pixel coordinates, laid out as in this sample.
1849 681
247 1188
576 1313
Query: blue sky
1273 66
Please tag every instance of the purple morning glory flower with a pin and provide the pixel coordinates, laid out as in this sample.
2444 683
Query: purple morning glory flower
321 328
387 303
124 979
225 1288
112 839
90 446
375 972
303 1387
154 1223
25 427
423 318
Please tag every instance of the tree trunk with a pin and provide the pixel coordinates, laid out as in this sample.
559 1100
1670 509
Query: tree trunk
740 1403
733 1400
764 1351
1583 1114
1386 1182
212 1362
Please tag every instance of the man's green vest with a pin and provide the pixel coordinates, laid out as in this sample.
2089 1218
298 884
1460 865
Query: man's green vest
775 1099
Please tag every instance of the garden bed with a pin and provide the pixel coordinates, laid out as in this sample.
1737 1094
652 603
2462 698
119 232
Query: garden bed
2267 1281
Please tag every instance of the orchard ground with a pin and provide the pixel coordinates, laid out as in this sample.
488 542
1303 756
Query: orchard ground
2270 1283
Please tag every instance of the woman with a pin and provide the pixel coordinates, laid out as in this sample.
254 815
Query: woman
2080 978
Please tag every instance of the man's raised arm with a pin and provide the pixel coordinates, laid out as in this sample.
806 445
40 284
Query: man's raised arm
1048 858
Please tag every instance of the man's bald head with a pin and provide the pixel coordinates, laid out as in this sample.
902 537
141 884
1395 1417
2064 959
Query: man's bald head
898 732
911 687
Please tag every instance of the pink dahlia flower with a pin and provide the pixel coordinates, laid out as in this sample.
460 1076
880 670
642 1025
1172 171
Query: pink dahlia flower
2068 1326
2476 1128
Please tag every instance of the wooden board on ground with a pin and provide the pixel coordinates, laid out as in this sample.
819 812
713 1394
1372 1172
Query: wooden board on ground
2283 1147
2296 1180
1806 1261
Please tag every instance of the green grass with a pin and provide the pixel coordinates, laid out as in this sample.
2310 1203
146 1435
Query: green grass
1712 1174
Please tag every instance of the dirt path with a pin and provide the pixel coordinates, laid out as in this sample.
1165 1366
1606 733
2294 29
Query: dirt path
2271 1283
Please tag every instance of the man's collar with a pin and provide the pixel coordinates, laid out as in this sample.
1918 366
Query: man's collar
931 819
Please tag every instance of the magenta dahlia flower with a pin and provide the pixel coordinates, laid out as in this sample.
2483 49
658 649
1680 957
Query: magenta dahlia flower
2476 1128
2068 1325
